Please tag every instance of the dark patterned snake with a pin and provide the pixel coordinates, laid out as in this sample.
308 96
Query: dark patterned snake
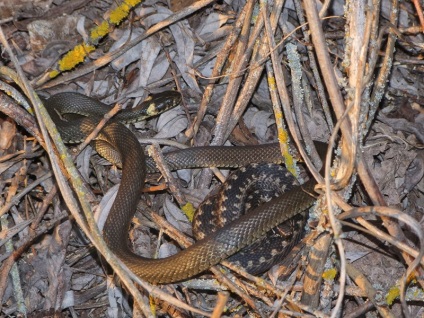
115 139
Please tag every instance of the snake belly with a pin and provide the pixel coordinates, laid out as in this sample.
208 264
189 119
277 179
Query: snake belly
206 252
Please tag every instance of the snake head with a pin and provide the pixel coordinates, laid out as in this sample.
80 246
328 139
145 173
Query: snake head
161 102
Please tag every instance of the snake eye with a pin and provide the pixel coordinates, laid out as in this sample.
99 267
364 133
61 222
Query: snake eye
166 100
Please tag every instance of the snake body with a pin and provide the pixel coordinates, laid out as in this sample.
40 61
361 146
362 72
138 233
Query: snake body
205 252
247 188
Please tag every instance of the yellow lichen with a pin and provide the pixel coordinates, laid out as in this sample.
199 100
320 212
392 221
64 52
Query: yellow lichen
329 274
75 56
284 138
152 305
80 52
189 211
99 31
392 295
54 73
132 3
120 13
289 162
271 82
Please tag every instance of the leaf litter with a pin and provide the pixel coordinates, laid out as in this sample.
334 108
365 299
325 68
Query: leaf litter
58 275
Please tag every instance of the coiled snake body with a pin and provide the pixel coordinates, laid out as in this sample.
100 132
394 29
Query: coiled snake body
204 253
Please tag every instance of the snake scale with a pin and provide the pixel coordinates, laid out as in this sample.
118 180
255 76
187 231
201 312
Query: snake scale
115 138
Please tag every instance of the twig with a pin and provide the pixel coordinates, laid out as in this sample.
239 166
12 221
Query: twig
327 68
242 55
413 224
234 285
107 58
313 63
12 91
14 272
258 51
220 304
221 59
43 208
283 135
367 287
16 199
285 101
257 62
419 11
182 240
21 117
285 292
312 281
9 259
157 156
45 123
99 127
239 62
298 98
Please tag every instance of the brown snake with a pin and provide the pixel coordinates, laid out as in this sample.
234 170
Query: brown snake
206 252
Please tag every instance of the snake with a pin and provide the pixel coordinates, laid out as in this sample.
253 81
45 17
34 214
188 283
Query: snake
244 189
77 115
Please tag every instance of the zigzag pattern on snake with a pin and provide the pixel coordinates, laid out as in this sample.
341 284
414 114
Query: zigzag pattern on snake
245 189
